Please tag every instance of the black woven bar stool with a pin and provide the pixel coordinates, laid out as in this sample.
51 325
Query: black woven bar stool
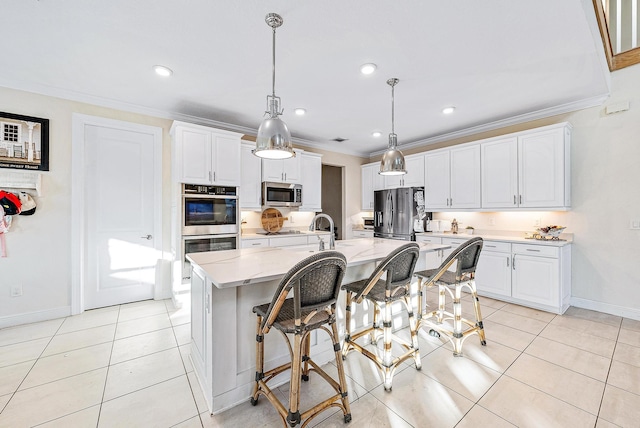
398 267
448 282
315 284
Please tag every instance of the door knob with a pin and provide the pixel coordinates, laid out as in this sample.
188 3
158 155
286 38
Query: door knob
148 237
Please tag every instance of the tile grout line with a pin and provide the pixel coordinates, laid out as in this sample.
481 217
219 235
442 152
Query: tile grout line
104 388
606 382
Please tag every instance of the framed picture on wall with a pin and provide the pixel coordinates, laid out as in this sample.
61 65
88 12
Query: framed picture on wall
24 142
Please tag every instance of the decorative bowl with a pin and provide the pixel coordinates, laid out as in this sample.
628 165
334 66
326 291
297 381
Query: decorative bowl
553 231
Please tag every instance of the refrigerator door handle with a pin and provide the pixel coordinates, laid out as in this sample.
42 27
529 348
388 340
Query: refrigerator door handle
391 219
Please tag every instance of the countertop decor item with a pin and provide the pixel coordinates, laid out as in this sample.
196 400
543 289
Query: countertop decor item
469 230
274 139
272 220
550 231
392 162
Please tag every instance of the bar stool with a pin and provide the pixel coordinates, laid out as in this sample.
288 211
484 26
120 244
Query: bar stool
315 284
398 267
466 256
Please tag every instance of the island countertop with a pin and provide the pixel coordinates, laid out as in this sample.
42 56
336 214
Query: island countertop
246 266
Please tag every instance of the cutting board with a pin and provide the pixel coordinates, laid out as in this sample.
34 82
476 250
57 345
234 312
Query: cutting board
272 220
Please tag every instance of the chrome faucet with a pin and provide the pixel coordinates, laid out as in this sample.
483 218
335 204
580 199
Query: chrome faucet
312 227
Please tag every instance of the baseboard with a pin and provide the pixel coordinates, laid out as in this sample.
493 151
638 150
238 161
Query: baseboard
31 317
607 308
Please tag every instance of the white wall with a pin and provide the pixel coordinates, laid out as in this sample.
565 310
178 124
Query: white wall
38 246
605 175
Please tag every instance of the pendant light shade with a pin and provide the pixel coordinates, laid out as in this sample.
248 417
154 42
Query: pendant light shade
392 162
274 139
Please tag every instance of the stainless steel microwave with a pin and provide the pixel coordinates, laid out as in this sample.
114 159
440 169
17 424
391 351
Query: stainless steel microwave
281 194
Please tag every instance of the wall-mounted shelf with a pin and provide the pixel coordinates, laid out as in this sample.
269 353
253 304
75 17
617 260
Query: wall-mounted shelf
21 180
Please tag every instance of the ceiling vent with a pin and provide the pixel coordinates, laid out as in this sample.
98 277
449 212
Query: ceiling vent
339 140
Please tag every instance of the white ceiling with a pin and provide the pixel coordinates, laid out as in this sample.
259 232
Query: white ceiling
499 62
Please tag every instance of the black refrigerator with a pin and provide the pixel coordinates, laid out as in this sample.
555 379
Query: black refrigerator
396 212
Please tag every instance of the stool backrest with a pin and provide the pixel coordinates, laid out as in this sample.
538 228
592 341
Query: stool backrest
467 255
315 282
398 266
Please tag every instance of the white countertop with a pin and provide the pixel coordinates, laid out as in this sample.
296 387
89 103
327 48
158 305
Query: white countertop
568 238
245 266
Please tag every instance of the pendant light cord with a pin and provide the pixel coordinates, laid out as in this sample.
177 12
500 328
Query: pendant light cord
393 87
273 76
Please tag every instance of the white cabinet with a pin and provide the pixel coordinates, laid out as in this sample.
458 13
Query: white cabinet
205 155
362 233
371 181
250 183
414 176
433 258
533 275
311 165
201 324
452 178
529 170
493 273
282 170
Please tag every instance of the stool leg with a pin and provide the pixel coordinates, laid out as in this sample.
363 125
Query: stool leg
376 326
259 360
476 306
457 322
387 358
346 346
413 328
341 376
306 346
442 302
293 418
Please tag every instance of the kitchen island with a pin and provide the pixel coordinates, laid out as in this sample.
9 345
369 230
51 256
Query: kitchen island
226 285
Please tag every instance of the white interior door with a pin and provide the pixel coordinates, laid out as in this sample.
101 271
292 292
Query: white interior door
121 249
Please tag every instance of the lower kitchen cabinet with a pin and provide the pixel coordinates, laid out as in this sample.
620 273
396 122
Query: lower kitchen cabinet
533 275
286 241
493 273
363 233
538 276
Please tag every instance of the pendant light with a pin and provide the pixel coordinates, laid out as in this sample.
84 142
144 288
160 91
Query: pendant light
273 140
392 162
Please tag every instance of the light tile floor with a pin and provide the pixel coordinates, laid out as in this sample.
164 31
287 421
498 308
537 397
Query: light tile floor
128 366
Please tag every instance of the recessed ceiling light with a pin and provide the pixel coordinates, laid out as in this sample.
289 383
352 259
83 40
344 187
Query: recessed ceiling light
300 112
163 71
448 110
376 134
368 68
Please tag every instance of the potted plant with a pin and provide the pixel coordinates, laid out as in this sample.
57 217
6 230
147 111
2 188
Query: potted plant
469 230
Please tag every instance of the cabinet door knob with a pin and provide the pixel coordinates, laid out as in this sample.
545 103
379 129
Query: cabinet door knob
147 237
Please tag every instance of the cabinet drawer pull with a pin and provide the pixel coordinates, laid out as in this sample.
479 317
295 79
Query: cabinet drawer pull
256 243
490 246
508 261
513 262
514 200
520 199
535 251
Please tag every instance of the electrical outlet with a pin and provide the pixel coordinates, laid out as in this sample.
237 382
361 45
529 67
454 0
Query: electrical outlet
16 291
536 222
492 221
634 224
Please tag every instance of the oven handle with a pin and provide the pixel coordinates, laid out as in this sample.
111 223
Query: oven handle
201 196
209 236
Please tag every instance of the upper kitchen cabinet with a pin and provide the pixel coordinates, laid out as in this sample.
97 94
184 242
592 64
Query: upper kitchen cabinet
250 183
371 181
528 170
452 178
282 170
414 176
311 164
205 155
